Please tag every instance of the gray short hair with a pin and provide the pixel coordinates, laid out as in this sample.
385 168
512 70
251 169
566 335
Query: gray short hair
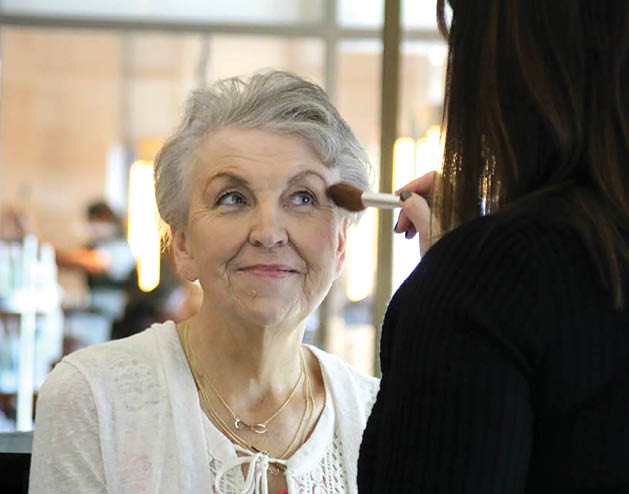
277 101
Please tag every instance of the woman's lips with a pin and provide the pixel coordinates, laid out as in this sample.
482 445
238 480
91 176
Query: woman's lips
269 270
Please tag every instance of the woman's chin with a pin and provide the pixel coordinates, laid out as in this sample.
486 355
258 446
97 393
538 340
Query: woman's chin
269 313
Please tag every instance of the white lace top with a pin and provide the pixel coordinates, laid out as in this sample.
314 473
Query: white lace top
124 417
315 468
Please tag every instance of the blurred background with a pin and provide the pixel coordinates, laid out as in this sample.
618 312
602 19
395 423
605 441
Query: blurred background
89 90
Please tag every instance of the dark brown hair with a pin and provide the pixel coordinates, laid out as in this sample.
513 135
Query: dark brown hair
537 100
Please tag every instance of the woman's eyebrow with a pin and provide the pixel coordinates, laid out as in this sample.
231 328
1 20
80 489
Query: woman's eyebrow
238 181
230 178
307 173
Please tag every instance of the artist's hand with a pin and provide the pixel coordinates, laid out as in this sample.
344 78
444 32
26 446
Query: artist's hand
416 211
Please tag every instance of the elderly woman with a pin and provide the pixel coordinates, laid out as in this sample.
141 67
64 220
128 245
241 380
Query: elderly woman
229 401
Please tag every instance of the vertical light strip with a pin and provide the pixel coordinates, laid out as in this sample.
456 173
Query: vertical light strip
403 161
143 231
405 252
429 151
361 253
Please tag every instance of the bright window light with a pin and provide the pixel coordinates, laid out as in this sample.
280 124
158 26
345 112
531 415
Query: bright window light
405 252
411 160
429 151
361 252
143 232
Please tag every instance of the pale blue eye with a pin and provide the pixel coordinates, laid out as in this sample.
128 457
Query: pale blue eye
303 198
230 199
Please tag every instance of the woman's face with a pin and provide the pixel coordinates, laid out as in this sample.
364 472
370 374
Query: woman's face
262 236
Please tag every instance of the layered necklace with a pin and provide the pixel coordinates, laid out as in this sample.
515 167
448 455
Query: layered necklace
238 423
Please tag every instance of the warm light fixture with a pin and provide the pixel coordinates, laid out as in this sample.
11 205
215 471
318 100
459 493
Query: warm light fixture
143 232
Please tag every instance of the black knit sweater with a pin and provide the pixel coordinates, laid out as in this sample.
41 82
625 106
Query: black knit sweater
505 369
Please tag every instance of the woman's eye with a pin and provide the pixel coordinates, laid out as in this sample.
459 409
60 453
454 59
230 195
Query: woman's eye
230 199
303 198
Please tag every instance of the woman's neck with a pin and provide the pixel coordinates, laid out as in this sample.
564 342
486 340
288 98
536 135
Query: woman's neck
248 364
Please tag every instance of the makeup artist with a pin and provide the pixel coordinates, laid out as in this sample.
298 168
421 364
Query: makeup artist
505 354
229 401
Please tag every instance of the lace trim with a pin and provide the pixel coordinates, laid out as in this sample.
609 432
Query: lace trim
327 477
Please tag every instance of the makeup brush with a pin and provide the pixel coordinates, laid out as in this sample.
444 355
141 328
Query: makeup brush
353 199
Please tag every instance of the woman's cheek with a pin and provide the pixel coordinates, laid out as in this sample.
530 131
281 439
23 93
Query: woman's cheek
318 236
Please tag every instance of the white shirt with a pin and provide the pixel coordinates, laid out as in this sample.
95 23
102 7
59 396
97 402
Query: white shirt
315 467
124 416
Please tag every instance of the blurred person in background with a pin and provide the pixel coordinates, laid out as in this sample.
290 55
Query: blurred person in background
230 400
106 260
505 354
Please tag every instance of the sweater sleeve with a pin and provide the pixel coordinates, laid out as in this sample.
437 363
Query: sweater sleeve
66 444
454 411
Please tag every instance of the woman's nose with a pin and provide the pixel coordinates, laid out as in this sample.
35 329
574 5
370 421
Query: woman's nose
268 229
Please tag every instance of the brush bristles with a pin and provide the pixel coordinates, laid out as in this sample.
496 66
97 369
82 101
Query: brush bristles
346 196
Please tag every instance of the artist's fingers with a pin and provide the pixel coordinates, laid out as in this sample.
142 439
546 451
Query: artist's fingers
414 217
403 223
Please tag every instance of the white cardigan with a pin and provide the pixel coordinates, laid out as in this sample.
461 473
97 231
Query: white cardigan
124 417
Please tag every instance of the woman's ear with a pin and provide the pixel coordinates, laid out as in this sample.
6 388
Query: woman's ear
340 247
184 260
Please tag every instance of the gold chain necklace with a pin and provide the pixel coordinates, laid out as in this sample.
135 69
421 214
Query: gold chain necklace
305 419
309 408
259 428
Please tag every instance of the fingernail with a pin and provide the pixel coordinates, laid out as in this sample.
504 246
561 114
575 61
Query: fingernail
408 234
405 195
